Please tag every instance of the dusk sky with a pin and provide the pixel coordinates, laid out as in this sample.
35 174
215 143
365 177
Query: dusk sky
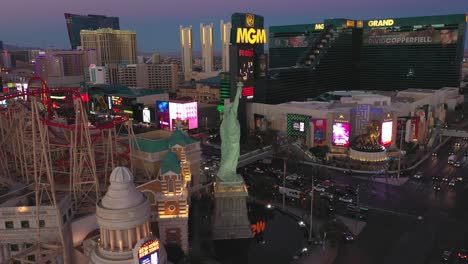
156 22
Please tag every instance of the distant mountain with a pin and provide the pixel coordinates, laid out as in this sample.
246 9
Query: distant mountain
14 47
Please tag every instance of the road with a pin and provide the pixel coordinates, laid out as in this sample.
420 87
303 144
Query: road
394 233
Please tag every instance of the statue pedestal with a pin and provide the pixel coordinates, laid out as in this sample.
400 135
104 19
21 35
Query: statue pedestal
230 219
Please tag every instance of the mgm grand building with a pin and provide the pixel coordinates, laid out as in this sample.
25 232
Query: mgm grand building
386 54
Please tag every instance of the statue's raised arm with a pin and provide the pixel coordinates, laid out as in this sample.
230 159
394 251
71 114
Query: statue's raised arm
230 140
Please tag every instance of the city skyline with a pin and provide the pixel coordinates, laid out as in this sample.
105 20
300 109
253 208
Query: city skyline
46 28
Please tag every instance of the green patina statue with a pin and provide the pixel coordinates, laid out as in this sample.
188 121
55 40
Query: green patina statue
230 141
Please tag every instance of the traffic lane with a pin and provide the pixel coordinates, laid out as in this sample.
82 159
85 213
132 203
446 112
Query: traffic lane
376 240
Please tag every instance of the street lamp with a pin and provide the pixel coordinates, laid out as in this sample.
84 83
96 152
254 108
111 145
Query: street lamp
311 206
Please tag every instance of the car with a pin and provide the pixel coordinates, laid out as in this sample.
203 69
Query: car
451 183
353 208
437 187
451 153
346 199
327 195
459 178
319 188
462 254
457 164
434 154
445 179
446 256
457 144
351 190
347 236
331 209
465 138
436 178
418 175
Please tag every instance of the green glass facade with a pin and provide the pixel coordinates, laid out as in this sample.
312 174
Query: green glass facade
381 54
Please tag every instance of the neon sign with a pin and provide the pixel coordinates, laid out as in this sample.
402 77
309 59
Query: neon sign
319 26
381 23
251 36
148 252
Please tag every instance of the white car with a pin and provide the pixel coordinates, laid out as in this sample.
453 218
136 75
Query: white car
418 175
345 199
457 164
319 188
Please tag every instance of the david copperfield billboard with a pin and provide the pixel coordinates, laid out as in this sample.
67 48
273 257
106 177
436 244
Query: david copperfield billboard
378 37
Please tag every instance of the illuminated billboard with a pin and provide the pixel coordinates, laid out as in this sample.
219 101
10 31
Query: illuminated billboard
146 115
378 37
340 134
387 132
320 132
183 112
148 253
289 42
297 125
162 109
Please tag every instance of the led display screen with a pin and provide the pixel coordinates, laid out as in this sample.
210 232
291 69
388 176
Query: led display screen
387 131
340 134
320 132
146 116
298 126
184 112
148 253
162 106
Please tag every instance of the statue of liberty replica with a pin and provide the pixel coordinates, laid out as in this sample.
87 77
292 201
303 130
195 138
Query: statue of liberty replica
230 219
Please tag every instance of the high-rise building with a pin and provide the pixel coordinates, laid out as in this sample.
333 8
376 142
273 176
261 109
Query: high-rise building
97 74
206 37
378 54
76 23
225 41
113 47
1 45
5 60
156 58
65 67
152 76
186 48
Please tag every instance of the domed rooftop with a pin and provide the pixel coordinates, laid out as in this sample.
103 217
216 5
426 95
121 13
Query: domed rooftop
121 175
122 193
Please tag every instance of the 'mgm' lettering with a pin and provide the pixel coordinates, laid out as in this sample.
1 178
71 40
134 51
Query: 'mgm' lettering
251 36
381 23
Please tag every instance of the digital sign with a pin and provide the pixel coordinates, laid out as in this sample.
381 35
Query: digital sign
162 109
387 131
340 134
248 92
320 132
298 125
319 26
148 253
146 115
184 112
